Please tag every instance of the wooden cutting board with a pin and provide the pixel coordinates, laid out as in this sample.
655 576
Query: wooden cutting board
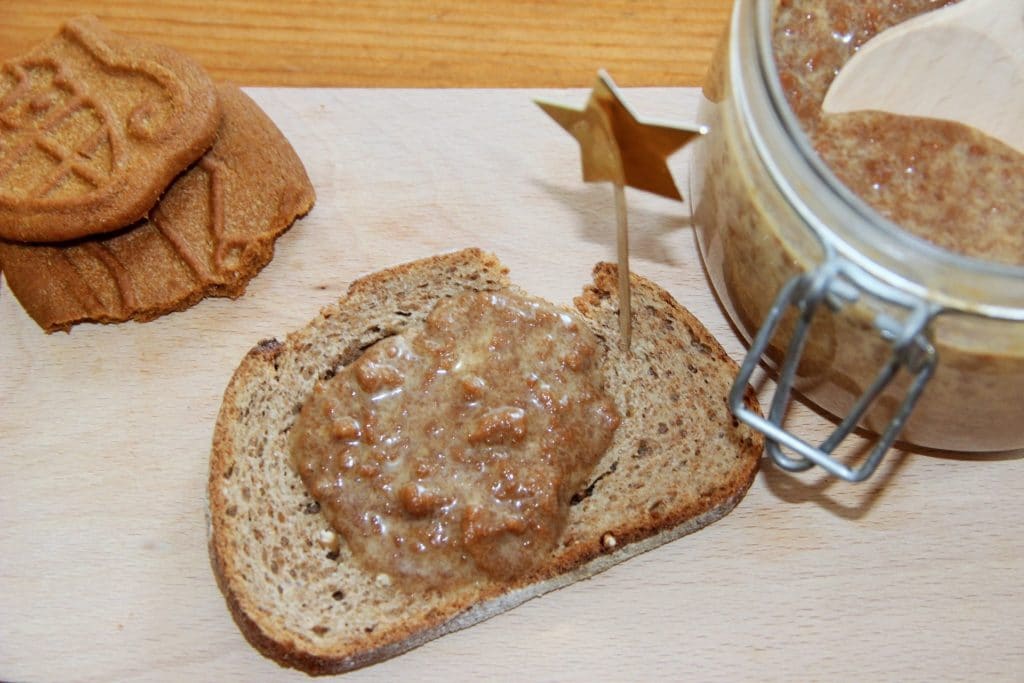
105 435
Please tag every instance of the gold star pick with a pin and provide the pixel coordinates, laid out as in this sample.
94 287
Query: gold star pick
616 146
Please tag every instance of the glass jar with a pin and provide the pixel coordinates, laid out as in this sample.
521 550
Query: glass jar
867 321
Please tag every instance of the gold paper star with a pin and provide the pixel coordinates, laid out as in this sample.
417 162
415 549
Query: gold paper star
616 146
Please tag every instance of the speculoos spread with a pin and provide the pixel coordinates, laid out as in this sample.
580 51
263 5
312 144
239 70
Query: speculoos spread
450 454
941 181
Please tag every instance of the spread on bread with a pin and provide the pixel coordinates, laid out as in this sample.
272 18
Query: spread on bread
676 462
451 454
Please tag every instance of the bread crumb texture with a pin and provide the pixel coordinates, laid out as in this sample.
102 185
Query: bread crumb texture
678 461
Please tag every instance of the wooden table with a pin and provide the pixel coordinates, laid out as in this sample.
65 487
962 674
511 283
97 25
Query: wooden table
917 574
408 43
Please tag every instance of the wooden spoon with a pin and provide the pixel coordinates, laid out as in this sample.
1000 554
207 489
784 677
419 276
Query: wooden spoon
964 62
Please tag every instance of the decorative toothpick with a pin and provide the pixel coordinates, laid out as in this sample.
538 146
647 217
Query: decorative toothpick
616 146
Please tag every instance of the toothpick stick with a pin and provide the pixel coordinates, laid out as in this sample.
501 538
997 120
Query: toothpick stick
625 304
616 146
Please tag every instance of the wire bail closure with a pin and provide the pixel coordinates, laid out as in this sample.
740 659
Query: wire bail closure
837 283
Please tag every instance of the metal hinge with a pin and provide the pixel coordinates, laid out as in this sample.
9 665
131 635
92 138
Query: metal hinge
837 284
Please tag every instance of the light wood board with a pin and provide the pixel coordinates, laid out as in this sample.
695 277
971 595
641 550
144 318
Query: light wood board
917 574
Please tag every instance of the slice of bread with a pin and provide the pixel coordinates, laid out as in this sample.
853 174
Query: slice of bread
678 462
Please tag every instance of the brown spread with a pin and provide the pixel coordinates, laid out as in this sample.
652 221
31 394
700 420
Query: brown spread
450 455
943 181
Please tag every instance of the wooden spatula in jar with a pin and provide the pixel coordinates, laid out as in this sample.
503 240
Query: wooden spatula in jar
964 62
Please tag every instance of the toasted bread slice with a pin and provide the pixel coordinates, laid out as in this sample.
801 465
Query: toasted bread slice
678 462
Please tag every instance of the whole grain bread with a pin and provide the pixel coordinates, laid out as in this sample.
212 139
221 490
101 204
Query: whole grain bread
678 462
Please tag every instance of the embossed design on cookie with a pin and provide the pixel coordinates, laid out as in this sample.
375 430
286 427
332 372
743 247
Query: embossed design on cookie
210 233
205 266
78 290
57 139
203 263
93 126
120 276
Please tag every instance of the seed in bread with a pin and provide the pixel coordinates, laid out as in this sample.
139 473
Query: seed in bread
93 127
678 461
213 230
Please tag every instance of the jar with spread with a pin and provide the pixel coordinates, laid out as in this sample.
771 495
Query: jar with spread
875 260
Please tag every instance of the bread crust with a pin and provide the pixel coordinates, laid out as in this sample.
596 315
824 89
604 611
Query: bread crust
677 437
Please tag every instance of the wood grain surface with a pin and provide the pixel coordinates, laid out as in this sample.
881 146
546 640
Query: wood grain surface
105 434
407 43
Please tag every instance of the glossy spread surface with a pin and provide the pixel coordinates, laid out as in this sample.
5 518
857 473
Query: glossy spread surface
943 181
451 454
929 176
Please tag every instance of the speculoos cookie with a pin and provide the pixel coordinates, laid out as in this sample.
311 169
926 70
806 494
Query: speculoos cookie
210 233
93 127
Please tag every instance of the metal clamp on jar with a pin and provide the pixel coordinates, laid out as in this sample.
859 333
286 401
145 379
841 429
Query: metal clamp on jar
909 340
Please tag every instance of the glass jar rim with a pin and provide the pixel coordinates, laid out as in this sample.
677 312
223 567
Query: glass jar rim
840 218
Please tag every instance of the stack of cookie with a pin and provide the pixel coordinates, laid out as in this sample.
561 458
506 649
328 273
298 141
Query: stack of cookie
130 185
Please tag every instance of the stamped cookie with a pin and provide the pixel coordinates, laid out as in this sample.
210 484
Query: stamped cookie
209 235
93 127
